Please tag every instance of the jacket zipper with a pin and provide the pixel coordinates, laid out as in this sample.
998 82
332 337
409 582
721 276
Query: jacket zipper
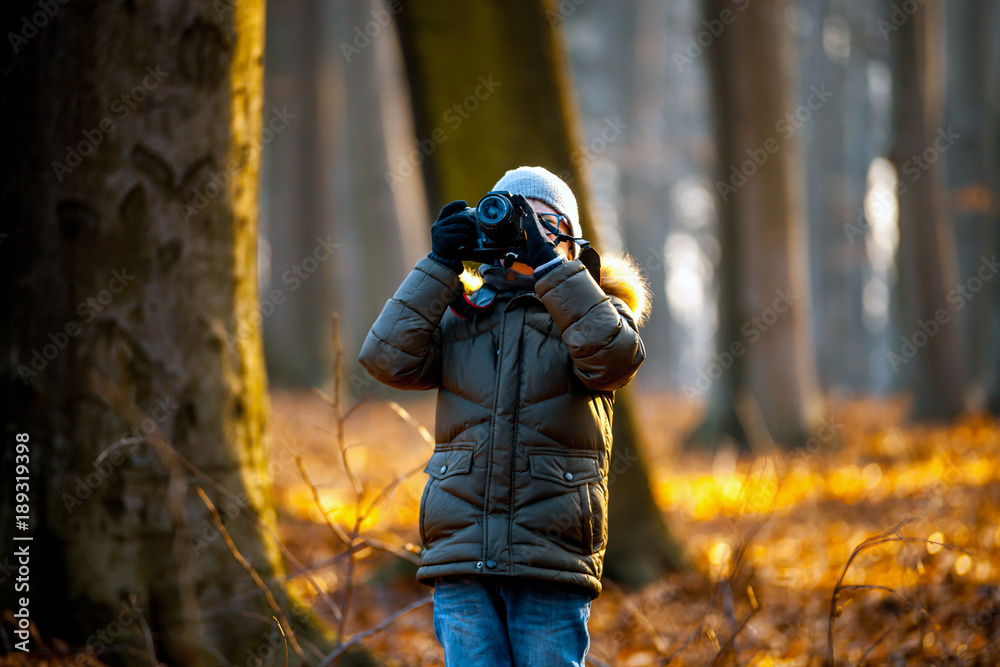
493 420
513 445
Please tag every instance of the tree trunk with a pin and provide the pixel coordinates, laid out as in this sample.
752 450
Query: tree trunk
644 181
296 212
508 101
991 146
972 201
930 352
385 252
132 170
764 346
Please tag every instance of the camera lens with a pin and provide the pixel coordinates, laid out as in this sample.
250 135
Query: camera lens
493 210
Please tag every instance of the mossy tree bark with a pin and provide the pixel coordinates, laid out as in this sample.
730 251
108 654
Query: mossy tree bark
131 176
762 383
491 91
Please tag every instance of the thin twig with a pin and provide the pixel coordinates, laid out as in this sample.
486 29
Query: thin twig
329 401
150 648
334 528
409 419
891 535
251 571
640 617
732 639
283 636
872 647
264 620
338 354
387 491
357 637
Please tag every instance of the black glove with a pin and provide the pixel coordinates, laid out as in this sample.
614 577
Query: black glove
454 228
540 249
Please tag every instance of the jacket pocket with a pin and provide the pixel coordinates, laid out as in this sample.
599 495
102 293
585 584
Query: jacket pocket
444 462
579 472
449 461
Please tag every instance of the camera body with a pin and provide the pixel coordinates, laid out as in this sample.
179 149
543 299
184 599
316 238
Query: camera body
499 228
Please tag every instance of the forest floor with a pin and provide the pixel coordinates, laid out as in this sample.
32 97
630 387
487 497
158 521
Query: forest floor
902 521
770 538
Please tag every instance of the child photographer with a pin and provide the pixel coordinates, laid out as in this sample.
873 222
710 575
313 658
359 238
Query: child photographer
513 517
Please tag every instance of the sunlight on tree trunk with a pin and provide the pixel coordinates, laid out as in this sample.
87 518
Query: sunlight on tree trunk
133 171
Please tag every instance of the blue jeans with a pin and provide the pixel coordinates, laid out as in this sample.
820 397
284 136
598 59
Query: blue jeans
493 621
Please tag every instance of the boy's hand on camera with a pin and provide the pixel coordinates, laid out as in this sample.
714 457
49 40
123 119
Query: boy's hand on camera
454 228
539 249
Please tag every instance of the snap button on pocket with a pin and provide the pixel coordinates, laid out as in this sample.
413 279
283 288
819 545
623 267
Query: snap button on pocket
450 461
569 468
491 564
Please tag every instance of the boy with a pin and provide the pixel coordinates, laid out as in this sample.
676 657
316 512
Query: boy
514 516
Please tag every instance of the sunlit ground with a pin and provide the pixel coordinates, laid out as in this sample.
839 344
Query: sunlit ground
786 523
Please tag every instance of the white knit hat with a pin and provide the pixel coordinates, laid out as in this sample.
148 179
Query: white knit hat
540 183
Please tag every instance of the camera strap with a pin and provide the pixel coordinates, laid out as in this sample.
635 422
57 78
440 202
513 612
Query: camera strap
587 254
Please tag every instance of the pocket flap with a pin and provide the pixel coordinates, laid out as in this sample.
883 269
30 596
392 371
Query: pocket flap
566 469
447 462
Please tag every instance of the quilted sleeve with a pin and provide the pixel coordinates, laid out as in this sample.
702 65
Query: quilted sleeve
403 346
598 329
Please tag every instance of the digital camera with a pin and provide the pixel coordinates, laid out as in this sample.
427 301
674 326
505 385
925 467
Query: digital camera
499 227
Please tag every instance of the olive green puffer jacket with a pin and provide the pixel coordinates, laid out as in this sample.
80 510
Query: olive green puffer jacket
518 478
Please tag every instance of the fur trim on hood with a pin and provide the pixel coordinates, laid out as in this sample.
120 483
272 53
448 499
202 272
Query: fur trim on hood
620 277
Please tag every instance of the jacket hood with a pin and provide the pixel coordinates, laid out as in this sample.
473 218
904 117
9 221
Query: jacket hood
620 277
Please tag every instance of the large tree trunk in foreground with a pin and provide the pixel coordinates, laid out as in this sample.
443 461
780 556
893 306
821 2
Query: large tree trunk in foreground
930 322
764 363
130 321
507 101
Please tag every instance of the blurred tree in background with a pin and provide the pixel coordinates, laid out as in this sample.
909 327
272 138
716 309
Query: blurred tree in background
764 365
927 252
